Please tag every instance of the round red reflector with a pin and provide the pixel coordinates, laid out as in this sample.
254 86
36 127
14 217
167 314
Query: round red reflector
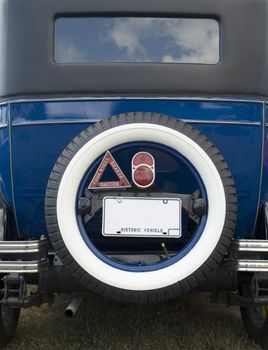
143 176
143 158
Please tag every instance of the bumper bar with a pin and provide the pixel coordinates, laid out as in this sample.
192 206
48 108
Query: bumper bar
245 255
252 265
17 256
251 245
17 247
249 255
34 266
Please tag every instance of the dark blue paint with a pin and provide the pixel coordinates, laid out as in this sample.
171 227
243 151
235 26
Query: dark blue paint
36 147
98 109
241 147
264 187
5 175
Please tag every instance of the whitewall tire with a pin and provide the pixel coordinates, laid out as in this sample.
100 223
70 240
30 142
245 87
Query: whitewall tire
185 273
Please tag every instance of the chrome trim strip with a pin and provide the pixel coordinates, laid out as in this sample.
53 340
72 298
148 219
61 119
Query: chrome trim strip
252 265
250 245
14 247
4 125
220 122
167 98
78 121
22 266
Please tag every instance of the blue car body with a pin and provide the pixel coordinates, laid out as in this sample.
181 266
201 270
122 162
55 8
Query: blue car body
134 152
34 133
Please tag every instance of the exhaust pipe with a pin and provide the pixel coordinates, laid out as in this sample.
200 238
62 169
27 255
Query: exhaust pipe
71 310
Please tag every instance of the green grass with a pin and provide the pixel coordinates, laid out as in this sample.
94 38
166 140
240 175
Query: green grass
191 322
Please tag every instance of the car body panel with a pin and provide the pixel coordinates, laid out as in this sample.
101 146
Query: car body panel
40 130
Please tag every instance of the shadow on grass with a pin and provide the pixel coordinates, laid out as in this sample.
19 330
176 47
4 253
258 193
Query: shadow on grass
187 323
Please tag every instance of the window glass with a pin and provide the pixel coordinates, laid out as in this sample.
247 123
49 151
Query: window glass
123 39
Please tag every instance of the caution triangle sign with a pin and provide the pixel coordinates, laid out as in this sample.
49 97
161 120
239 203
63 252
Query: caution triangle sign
96 182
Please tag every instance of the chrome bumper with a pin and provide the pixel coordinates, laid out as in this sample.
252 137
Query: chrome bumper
250 255
15 247
252 265
251 245
34 266
16 256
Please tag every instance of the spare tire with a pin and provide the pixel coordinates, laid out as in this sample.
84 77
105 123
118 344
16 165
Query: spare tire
178 274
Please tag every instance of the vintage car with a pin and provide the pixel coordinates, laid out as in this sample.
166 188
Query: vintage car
134 153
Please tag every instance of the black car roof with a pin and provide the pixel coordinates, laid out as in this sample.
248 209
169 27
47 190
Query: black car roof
26 50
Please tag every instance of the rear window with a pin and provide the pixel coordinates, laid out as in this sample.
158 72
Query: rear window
134 39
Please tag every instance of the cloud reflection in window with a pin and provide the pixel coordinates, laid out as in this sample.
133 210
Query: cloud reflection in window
166 40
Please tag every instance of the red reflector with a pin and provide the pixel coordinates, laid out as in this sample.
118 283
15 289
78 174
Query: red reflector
143 176
143 169
96 182
143 158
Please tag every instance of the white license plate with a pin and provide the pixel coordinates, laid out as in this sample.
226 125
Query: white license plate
141 217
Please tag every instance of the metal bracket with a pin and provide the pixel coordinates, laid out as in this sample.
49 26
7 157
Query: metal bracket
256 287
234 299
92 202
14 291
259 287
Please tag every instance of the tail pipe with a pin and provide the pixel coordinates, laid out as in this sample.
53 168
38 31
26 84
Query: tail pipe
71 310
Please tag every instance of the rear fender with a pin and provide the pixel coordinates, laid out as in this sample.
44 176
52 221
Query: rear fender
8 229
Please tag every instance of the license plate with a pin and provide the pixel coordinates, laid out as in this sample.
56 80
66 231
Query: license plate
141 217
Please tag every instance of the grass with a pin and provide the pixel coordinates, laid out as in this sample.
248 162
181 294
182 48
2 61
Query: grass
188 323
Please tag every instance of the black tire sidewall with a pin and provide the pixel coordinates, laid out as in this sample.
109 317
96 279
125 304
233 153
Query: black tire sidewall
8 329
